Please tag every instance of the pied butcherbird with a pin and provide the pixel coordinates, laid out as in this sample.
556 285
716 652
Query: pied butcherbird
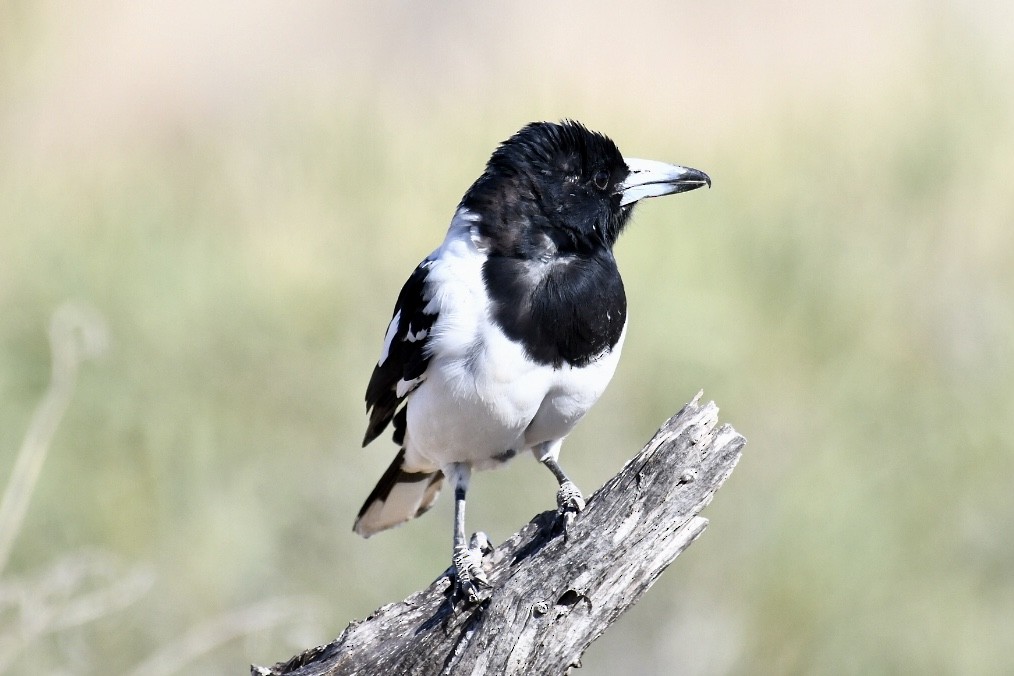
504 336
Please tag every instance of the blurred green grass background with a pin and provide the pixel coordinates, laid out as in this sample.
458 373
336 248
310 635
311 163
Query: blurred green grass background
240 190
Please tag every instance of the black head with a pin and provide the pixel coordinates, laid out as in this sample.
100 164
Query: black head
565 188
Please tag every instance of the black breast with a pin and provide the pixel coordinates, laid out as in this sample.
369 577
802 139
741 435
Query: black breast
568 310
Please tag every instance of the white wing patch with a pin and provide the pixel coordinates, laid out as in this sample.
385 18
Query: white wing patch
392 329
417 336
403 387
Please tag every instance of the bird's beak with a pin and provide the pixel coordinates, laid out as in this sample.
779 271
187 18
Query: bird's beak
649 178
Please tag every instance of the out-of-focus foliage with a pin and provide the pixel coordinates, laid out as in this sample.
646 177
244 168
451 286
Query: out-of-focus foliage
240 190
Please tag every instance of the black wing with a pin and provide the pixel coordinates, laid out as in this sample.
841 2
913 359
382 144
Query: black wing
404 358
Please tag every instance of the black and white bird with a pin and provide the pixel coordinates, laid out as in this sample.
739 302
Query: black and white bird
507 334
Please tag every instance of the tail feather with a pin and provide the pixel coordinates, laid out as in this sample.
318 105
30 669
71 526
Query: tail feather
398 496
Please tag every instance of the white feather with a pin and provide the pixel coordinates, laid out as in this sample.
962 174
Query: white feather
417 336
401 504
392 329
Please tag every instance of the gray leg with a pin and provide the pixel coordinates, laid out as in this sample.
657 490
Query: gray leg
467 560
569 500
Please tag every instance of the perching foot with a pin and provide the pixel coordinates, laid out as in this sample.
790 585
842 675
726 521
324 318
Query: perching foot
569 502
468 567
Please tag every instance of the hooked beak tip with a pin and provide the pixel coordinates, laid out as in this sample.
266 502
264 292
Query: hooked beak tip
649 178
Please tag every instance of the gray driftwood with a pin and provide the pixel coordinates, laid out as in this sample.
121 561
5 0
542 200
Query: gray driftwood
551 595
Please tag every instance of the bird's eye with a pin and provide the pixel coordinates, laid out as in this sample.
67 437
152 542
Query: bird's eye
601 179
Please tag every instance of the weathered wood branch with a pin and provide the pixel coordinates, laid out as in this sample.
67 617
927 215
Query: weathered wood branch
551 595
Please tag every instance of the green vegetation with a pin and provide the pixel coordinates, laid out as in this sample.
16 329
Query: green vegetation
845 294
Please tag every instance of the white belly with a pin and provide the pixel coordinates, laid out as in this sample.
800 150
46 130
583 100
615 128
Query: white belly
484 408
571 394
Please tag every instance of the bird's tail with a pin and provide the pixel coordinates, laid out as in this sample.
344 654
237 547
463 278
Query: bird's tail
398 496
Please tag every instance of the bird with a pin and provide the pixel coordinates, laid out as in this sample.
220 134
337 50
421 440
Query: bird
505 336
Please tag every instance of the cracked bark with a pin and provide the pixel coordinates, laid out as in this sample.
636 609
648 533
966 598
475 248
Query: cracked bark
551 596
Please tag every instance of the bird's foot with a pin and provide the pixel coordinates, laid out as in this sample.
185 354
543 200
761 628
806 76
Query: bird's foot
569 502
468 570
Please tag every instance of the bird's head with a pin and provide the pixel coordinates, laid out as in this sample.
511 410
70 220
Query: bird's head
565 187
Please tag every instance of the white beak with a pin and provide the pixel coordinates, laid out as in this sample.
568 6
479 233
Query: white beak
649 178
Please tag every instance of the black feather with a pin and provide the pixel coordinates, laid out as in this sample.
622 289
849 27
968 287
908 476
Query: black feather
406 358
550 272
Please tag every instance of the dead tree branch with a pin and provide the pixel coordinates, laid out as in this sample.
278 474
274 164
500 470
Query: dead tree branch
551 595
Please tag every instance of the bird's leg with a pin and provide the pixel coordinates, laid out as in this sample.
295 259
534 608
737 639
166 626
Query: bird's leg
467 560
569 500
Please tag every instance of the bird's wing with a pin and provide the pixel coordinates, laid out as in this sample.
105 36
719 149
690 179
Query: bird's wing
404 357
